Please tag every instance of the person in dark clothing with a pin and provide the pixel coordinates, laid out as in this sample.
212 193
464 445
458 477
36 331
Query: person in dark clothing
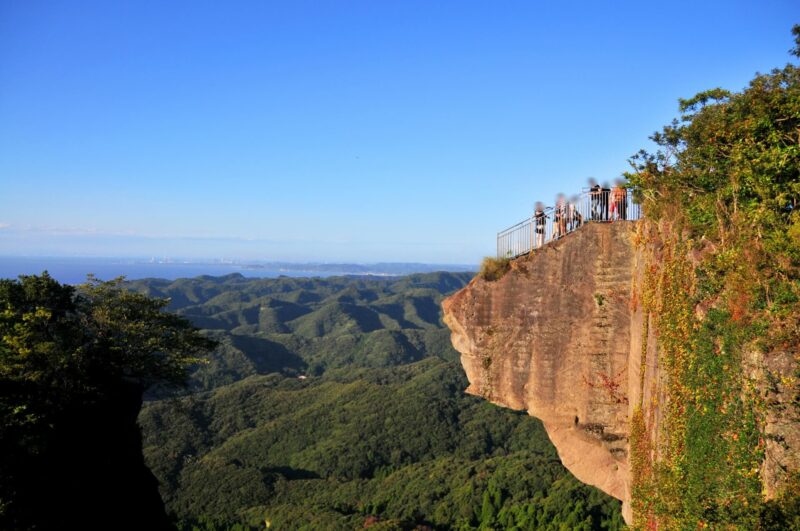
573 216
560 217
605 199
595 194
539 220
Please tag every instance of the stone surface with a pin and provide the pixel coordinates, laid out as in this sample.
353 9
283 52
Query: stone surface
553 337
774 377
561 337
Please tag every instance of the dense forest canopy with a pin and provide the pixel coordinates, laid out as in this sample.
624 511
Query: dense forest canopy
336 402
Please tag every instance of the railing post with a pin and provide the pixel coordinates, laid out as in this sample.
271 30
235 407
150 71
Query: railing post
530 229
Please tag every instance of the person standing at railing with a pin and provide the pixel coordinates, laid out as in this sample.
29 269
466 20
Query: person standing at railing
596 195
573 216
539 221
560 217
605 192
623 204
617 201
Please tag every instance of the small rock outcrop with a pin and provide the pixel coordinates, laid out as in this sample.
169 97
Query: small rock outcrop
553 337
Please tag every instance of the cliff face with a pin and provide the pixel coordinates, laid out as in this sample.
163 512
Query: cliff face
553 337
565 335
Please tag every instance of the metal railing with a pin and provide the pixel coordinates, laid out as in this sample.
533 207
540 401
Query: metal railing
552 223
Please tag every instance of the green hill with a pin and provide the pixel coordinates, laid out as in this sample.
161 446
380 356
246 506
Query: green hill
333 402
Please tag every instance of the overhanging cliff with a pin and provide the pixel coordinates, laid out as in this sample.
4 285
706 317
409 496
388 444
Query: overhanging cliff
553 337
583 335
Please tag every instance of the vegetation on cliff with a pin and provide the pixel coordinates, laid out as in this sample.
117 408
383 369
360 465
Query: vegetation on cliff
722 289
337 403
73 367
494 268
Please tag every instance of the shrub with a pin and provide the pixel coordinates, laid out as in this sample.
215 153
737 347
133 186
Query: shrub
494 268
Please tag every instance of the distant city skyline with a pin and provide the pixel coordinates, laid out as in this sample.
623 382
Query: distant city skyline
338 131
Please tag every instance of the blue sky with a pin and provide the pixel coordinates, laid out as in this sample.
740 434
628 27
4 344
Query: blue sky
338 131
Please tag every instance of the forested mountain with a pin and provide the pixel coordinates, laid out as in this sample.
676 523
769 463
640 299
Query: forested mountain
338 403
297 326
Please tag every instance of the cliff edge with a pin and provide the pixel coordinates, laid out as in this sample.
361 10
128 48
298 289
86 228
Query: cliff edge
553 337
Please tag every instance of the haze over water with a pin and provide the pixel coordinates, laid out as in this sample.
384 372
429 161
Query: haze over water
75 270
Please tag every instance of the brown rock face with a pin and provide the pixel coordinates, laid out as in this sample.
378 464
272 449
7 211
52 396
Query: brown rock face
773 375
553 337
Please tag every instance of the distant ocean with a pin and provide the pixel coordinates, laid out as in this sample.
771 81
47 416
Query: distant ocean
74 270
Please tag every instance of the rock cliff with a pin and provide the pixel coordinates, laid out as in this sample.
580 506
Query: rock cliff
564 336
553 337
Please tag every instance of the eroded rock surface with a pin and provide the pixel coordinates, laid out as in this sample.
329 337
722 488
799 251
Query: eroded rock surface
553 337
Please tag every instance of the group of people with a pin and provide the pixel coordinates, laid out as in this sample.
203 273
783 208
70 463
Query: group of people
606 204
566 218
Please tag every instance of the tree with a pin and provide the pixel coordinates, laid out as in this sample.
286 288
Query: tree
74 364
722 203
728 172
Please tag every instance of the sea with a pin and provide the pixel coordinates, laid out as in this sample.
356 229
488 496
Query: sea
75 270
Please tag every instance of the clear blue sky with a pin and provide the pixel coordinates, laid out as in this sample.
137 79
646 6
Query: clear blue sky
355 130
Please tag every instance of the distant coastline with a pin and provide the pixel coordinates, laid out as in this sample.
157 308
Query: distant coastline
73 270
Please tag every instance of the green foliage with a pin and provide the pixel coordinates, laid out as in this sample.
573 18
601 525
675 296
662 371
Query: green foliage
379 431
494 268
401 443
57 345
82 342
300 326
721 197
208 523
73 366
783 512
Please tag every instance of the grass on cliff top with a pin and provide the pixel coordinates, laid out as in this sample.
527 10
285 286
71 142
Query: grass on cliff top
494 268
